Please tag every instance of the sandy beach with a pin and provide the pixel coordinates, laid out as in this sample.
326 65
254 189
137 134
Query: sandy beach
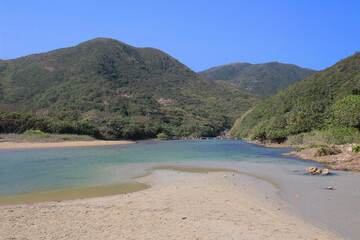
18 145
179 205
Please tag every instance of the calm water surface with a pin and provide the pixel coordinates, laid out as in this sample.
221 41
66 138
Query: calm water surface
38 170
29 170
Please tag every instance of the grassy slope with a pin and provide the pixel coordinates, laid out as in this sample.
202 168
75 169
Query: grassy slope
320 90
261 79
21 138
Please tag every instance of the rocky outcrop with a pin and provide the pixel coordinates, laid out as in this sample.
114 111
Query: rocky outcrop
346 160
317 171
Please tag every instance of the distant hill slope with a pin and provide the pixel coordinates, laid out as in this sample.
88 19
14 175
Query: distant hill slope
304 106
263 80
107 75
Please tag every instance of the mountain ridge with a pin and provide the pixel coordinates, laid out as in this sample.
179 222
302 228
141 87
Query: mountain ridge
264 79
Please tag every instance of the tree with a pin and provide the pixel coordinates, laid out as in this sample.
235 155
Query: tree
347 111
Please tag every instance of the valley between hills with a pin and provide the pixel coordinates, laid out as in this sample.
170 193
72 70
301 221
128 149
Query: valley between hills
106 89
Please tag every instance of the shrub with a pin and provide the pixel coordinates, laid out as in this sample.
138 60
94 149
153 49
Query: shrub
39 133
300 149
315 145
347 111
356 149
276 135
259 132
163 136
295 139
324 150
329 135
341 135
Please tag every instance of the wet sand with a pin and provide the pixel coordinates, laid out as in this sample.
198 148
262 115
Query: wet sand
180 205
18 145
73 193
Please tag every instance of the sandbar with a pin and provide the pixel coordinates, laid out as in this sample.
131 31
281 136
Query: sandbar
179 205
19 145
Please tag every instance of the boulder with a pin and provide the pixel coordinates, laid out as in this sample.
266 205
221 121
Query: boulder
311 170
325 171
317 171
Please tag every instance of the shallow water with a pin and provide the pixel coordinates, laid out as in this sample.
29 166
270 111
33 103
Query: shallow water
29 170
37 170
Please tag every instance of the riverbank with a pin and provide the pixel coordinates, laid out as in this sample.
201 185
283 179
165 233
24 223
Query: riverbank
19 145
179 205
343 159
272 145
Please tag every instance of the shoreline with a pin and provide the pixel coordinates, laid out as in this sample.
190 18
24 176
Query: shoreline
271 145
75 193
344 160
65 144
214 205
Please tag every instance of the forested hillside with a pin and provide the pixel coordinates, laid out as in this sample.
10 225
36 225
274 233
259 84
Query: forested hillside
263 80
125 92
326 101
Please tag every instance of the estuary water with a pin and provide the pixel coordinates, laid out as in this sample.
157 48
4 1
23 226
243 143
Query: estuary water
27 171
31 170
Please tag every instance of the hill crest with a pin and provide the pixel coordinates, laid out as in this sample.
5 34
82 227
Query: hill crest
264 79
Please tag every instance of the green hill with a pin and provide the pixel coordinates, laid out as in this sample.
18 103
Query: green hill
129 84
313 103
263 80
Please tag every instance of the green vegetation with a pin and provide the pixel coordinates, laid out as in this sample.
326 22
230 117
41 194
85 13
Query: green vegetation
322 149
264 79
30 124
107 89
330 135
347 111
300 149
328 150
12 137
324 107
356 149
39 133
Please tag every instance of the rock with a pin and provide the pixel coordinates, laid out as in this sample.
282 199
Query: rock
325 171
330 188
311 170
317 171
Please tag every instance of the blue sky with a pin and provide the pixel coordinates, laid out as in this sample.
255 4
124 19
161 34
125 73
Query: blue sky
201 34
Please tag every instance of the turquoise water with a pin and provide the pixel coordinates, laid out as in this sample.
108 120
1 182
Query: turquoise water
38 170
31 170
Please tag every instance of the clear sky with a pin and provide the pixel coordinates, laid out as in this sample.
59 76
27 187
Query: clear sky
201 34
